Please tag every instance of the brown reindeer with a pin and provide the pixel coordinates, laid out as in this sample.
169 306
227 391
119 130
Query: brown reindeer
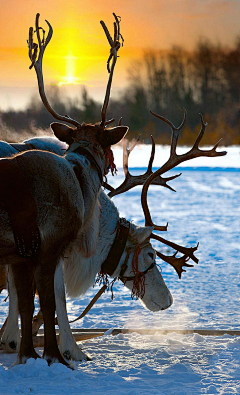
62 193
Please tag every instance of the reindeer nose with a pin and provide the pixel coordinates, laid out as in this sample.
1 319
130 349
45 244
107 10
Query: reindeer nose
170 302
151 255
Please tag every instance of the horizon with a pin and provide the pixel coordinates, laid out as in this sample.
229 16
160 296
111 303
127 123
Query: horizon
78 51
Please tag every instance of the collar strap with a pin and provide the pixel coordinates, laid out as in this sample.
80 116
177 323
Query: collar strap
93 152
111 262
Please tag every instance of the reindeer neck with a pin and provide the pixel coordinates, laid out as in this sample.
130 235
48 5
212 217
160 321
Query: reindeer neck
92 152
79 271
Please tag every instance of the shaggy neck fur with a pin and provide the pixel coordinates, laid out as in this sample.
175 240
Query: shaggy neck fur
87 237
79 271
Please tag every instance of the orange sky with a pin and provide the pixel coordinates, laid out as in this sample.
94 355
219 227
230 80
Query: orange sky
78 50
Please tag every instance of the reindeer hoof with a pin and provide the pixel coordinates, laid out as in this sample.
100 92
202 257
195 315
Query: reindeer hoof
67 355
22 359
51 360
76 354
13 345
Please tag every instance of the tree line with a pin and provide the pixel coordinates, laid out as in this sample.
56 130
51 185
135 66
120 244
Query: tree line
205 80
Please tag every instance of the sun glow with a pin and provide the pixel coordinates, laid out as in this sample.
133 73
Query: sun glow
70 78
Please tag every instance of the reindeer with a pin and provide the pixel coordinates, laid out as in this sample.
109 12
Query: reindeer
10 331
63 193
44 143
156 296
79 272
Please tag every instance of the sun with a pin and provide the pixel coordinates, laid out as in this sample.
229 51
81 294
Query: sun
70 67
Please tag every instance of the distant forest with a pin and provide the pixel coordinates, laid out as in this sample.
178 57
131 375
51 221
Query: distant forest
205 80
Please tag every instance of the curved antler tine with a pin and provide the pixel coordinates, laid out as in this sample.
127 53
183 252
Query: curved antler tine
149 222
134 145
172 177
150 163
50 33
120 122
108 35
115 45
169 179
115 31
169 122
201 133
188 251
216 145
176 263
32 48
37 29
117 24
125 157
38 68
184 119
163 119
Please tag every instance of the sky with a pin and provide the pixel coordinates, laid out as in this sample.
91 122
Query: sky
78 51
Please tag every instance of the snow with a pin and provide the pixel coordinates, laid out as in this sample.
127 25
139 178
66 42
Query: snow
205 208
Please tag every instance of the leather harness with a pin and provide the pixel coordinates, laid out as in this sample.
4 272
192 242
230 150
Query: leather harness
111 262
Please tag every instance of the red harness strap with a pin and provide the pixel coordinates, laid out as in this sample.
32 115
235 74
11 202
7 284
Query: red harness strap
21 206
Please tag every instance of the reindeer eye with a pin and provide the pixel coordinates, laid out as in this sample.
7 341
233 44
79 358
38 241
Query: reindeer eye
151 255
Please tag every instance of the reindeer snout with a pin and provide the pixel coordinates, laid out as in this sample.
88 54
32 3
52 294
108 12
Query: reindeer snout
169 303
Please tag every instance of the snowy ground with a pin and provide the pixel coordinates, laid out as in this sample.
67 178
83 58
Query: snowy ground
205 209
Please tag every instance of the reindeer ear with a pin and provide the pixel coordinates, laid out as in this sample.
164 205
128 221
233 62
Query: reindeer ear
142 233
63 132
113 136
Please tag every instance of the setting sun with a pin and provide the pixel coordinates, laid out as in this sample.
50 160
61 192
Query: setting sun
70 72
78 51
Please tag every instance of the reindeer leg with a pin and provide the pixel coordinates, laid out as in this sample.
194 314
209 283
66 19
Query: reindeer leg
44 278
68 346
11 336
23 279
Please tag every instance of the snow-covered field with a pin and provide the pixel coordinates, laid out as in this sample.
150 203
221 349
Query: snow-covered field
205 208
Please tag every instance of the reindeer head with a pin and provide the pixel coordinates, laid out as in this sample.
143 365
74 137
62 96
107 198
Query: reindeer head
138 271
94 136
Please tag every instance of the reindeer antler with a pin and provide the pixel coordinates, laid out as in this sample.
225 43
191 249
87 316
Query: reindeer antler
176 159
131 181
115 45
176 263
36 52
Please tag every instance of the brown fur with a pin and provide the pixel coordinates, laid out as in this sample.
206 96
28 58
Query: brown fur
66 211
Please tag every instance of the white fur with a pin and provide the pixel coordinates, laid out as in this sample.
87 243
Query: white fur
47 143
68 347
11 335
80 272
